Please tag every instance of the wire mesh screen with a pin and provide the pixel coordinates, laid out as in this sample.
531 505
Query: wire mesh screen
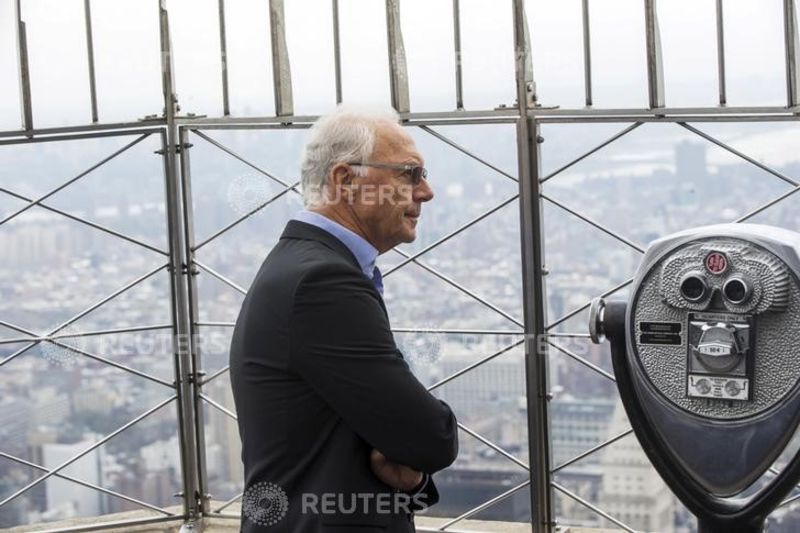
150 161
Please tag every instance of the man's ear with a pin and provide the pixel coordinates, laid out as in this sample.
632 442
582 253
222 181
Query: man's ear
340 181
341 175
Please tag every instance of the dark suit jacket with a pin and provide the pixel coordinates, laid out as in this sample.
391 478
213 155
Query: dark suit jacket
318 382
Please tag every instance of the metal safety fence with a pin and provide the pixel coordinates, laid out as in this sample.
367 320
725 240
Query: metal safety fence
180 135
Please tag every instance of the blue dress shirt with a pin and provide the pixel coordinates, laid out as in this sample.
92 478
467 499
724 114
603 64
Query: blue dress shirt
364 252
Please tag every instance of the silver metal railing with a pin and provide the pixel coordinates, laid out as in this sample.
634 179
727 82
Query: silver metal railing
528 116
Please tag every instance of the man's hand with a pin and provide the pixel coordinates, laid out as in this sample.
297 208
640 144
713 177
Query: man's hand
396 476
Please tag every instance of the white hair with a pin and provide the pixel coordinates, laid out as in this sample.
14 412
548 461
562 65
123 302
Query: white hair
345 135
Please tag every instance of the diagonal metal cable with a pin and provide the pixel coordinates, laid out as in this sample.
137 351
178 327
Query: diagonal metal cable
449 331
233 154
89 485
73 180
436 385
33 337
215 375
452 234
592 151
591 507
583 361
228 503
466 152
218 406
592 450
767 205
86 311
495 447
589 303
485 505
244 217
474 365
568 335
465 290
94 446
287 187
91 355
220 277
597 225
737 153
87 222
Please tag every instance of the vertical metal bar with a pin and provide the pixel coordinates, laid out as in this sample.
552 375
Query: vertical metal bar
525 60
23 69
184 373
87 12
337 52
281 69
534 303
655 66
223 55
723 97
457 47
398 73
792 59
192 294
587 53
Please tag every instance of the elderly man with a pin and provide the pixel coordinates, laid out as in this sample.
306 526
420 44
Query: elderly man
337 433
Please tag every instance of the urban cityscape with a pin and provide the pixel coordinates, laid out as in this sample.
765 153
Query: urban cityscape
55 402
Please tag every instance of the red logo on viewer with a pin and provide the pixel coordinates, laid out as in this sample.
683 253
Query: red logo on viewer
716 262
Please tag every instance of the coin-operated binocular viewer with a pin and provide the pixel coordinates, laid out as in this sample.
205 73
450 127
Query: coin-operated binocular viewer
707 359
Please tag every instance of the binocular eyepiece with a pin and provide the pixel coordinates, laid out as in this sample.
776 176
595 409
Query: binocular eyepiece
706 353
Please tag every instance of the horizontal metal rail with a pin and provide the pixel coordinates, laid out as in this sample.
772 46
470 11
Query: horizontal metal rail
507 115
115 524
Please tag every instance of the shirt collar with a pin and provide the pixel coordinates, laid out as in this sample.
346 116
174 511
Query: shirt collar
364 252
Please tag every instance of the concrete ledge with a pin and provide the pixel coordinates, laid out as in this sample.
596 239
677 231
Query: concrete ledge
231 525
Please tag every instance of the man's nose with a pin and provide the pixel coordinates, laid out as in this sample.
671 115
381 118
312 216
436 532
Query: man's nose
424 192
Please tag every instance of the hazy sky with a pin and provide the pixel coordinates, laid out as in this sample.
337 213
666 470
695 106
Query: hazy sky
128 68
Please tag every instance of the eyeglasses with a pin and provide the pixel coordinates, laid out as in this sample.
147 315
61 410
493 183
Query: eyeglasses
417 172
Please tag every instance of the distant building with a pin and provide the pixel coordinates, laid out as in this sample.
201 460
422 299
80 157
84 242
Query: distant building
62 494
690 160
632 491
578 425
